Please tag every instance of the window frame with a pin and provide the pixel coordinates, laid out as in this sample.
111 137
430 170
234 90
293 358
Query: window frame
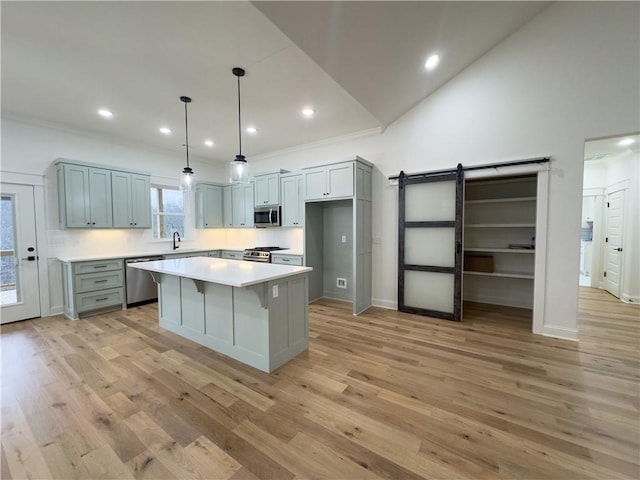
159 214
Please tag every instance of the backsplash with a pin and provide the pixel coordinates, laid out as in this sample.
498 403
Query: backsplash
117 241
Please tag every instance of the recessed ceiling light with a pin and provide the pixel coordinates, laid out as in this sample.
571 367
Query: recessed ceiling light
626 142
251 130
165 130
103 112
308 112
432 62
209 143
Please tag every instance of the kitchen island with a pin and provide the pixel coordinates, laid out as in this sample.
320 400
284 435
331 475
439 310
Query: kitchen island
253 312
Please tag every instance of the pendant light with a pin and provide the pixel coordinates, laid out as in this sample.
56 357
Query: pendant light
186 178
239 168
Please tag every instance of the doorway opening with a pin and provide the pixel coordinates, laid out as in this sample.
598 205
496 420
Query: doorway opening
610 239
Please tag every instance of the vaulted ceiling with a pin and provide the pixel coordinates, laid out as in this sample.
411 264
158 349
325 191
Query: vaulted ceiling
359 65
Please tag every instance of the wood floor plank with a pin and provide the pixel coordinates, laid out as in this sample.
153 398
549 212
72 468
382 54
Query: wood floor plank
382 395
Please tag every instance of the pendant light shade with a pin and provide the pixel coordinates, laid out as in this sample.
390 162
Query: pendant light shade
186 177
239 168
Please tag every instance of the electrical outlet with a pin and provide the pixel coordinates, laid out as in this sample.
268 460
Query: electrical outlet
341 282
274 291
344 239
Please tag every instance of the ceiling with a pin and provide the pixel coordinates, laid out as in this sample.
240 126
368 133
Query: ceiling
358 64
598 151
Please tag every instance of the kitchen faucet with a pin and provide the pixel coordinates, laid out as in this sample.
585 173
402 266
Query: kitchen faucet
175 245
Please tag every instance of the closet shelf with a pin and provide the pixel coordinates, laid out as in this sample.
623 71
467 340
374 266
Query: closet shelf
501 200
526 276
500 225
500 250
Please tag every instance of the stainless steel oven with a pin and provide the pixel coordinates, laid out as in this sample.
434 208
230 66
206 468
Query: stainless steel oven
267 217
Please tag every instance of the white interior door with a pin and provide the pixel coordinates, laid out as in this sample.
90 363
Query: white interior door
613 242
19 290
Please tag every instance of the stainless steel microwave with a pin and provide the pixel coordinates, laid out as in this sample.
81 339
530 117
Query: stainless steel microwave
267 217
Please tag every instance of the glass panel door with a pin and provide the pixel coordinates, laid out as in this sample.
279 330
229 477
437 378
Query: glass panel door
9 293
19 287
430 244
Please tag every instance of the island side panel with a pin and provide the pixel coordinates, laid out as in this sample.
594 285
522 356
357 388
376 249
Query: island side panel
218 311
192 307
169 302
288 321
251 326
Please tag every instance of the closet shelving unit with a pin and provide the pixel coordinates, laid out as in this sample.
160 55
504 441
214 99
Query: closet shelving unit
500 221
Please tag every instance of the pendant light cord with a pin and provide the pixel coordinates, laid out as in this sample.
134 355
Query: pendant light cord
186 132
239 122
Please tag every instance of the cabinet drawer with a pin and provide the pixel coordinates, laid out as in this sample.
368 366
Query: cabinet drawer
98 266
98 281
106 298
286 259
232 255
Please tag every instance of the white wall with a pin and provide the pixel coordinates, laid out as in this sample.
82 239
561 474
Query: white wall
543 91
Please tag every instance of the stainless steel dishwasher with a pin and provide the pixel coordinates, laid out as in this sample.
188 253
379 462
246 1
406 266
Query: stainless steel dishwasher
140 285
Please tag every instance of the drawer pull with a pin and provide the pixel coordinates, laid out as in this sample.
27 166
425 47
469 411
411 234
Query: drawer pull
99 266
102 299
100 281
285 259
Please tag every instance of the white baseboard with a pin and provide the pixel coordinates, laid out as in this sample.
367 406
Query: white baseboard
382 303
58 310
563 333
629 299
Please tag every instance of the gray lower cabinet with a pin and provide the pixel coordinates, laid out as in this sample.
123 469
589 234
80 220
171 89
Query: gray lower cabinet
93 287
169 256
232 254
284 259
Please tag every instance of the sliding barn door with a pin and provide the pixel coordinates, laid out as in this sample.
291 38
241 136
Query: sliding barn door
430 244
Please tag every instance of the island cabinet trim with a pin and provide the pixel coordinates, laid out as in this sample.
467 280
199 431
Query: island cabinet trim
263 325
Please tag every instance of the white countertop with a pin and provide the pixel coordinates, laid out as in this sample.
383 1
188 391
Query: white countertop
235 273
147 253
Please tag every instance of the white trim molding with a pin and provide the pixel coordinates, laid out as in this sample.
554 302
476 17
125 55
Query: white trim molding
382 303
563 333
19 178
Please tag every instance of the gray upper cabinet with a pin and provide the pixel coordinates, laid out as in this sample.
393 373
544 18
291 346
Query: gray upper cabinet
131 200
292 201
242 202
84 195
94 197
209 206
227 206
267 189
329 182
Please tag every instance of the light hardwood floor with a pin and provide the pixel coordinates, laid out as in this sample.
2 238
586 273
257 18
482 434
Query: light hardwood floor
382 395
